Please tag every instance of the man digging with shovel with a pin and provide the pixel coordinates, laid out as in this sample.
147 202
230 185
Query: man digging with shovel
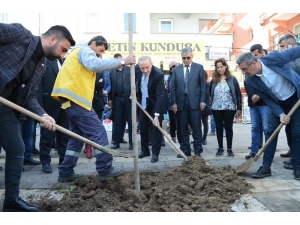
279 87
74 88
22 67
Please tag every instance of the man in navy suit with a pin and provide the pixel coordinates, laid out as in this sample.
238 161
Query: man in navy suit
188 95
53 108
272 78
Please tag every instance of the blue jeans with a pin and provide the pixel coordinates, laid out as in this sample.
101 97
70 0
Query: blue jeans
11 141
259 115
273 123
27 132
212 124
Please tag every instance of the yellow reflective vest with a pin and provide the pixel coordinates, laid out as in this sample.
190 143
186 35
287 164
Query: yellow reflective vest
75 82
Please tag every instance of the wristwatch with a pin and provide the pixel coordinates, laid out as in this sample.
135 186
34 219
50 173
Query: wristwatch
122 62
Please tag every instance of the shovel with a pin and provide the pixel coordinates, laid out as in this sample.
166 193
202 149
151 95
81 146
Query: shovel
162 131
246 165
67 132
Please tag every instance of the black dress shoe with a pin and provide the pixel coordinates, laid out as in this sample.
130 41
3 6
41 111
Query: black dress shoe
197 154
288 167
31 161
114 146
296 173
263 171
286 155
123 141
154 158
144 154
150 143
130 146
288 161
18 206
1 168
163 144
47 168
35 151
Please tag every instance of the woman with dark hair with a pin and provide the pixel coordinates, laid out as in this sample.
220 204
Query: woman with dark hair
226 102
206 111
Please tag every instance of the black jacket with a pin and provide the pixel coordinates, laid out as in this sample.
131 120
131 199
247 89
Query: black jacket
98 102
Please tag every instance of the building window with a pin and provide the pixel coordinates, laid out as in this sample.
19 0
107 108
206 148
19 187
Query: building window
250 34
93 22
297 30
166 25
126 22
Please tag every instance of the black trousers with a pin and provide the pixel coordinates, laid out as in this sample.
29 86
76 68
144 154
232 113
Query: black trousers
60 116
12 142
204 119
144 132
172 123
226 117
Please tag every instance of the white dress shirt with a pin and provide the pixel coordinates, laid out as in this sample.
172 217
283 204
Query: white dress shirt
279 86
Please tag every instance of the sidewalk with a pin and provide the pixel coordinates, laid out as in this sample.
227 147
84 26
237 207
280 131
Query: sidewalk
277 193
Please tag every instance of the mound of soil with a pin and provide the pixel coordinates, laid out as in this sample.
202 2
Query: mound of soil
192 187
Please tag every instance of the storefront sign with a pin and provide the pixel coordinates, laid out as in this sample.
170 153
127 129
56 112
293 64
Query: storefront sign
159 49
216 53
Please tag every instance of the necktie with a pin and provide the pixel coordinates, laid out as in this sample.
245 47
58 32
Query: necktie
186 78
144 91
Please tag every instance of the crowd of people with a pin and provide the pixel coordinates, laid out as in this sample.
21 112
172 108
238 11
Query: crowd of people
73 90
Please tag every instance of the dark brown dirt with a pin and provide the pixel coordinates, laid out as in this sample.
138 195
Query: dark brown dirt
192 187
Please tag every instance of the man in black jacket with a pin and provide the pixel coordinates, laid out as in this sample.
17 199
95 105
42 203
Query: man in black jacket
119 101
53 108
151 94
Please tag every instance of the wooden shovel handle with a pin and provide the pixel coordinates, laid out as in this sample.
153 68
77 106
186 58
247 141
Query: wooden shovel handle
65 131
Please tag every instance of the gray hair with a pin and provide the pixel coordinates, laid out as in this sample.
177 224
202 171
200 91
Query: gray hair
247 57
186 50
144 58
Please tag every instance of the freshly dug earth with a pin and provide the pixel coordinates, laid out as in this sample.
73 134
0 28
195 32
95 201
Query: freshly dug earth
192 187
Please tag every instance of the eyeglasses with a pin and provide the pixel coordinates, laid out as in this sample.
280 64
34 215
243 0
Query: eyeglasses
184 58
245 69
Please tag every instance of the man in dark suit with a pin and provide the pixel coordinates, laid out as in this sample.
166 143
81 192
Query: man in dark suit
188 95
119 101
23 57
272 78
151 94
53 108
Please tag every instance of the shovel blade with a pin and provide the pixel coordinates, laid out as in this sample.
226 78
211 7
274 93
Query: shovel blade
245 166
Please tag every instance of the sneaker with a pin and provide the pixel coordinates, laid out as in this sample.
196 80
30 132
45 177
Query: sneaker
230 152
211 134
220 152
263 171
70 178
114 173
251 155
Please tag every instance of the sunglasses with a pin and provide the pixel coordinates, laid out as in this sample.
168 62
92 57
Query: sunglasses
184 58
